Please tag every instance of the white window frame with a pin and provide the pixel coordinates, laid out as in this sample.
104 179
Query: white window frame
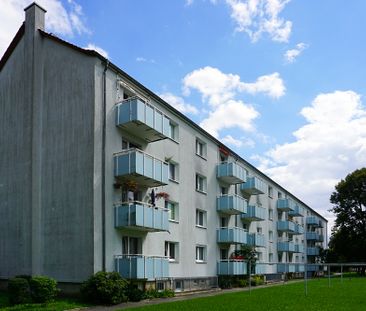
175 167
172 248
201 253
173 131
270 214
201 183
201 218
170 206
270 236
201 148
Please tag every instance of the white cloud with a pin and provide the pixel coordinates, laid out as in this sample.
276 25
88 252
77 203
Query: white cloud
233 113
141 59
92 46
242 142
59 20
291 55
179 103
327 148
219 87
257 17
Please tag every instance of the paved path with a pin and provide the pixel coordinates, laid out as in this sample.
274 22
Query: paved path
181 297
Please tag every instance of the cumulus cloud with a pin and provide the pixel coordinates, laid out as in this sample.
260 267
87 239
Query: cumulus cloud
291 55
92 46
329 146
179 103
258 17
141 59
242 142
218 87
61 20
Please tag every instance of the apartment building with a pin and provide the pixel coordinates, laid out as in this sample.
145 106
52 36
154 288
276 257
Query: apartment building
99 173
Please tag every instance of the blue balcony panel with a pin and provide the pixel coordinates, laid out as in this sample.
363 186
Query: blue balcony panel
142 120
285 205
142 267
299 268
232 235
286 247
286 226
140 167
140 216
298 229
312 251
286 268
256 239
299 248
314 221
297 212
260 268
231 173
312 267
231 267
231 204
253 186
314 236
254 213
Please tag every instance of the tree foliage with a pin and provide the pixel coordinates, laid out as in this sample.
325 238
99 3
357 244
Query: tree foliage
348 239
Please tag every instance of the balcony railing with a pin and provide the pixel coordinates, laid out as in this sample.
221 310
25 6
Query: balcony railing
141 216
286 226
312 267
286 247
312 251
142 267
286 268
231 173
231 267
314 236
253 186
297 212
254 213
299 248
232 235
285 205
257 239
314 221
231 204
298 229
260 268
140 167
142 120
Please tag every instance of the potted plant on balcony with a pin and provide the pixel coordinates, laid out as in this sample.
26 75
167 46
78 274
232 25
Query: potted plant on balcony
163 195
130 185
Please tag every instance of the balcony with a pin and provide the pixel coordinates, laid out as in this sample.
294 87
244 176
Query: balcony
286 268
231 173
298 229
256 239
254 213
300 268
285 205
314 236
299 248
314 221
312 251
260 268
140 216
312 267
232 235
297 212
138 166
231 204
142 120
286 247
231 267
286 226
142 267
253 186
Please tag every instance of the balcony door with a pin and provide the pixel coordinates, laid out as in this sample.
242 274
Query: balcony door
131 245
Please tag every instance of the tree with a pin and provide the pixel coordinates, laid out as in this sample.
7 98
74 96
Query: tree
348 239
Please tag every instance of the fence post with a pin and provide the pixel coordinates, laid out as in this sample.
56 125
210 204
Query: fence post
341 273
328 275
306 279
250 281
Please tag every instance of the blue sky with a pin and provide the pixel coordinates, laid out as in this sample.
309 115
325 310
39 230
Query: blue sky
281 82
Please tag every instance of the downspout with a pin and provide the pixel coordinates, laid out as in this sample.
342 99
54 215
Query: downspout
103 163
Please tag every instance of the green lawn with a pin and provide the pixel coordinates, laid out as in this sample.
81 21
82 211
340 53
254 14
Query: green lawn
58 305
347 295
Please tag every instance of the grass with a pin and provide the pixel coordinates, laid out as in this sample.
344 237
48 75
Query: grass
348 294
59 304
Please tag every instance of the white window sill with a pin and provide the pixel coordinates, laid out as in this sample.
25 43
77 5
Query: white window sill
201 191
201 227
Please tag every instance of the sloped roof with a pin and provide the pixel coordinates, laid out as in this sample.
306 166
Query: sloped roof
12 46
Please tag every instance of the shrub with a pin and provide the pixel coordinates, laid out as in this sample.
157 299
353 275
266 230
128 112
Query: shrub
225 282
153 293
18 290
105 288
256 280
166 293
43 289
243 283
134 294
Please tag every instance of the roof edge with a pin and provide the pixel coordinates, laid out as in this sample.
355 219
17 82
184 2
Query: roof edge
12 46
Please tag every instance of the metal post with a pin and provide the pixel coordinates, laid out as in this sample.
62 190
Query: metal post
328 275
306 279
341 273
250 281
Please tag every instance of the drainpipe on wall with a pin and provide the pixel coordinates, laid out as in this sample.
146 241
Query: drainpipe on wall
103 163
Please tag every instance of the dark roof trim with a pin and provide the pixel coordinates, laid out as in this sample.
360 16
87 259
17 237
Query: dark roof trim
12 46
172 109
36 4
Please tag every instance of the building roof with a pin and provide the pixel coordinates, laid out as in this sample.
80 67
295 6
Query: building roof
93 53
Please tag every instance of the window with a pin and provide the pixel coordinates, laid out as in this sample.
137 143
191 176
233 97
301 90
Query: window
224 190
173 210
131 245
200 218
223 222
200 253
270 191
224 253
259 230
279 195
200 148
173 171
171 250
270 236
128 145
173 130
200 183
270 257
270 214
260 256
160 285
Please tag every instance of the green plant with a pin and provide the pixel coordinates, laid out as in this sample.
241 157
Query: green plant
256 280
166 293
134 294
43 289
153 293
18 290
105 288
225 282
242 283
